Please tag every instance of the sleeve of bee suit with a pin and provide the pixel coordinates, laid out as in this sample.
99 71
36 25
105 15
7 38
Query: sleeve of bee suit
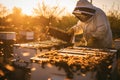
101 25
78 28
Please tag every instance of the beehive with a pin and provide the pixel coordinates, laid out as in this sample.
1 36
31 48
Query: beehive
74 63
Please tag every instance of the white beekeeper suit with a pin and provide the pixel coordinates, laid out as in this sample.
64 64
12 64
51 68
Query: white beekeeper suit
96 30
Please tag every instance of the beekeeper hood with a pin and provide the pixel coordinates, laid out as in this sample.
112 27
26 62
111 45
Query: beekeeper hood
84 6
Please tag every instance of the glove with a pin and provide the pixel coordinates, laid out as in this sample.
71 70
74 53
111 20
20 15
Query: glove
70 31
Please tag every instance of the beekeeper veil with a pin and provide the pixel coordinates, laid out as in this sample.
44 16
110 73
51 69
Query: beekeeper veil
84 7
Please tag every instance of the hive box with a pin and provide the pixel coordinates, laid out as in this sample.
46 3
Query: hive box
28 35
27 50
52 72
7 35
24 51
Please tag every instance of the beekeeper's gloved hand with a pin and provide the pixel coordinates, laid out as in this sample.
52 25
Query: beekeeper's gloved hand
70 31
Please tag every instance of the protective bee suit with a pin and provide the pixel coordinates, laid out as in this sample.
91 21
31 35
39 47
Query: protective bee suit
96 30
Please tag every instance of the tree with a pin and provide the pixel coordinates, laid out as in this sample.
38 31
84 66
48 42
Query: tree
66 22
3 14
3 11
114 18
16 17
48 13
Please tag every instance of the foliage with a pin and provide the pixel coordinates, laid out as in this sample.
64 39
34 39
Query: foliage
66 22
114 18
3 11
48 14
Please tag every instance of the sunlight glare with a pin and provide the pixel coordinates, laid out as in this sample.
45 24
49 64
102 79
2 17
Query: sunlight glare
28 5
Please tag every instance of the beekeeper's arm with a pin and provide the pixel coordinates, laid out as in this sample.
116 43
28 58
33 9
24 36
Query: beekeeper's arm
76 29
101 27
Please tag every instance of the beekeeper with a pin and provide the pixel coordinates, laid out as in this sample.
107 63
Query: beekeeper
93 24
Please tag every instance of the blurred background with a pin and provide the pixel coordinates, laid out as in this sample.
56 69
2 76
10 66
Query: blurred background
23 21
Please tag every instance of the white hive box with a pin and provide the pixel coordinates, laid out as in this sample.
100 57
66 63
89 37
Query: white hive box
24 52
28 35
7 35
27 50
53 73
38 73
51 68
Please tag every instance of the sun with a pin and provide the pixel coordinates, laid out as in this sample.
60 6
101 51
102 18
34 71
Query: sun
27 10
